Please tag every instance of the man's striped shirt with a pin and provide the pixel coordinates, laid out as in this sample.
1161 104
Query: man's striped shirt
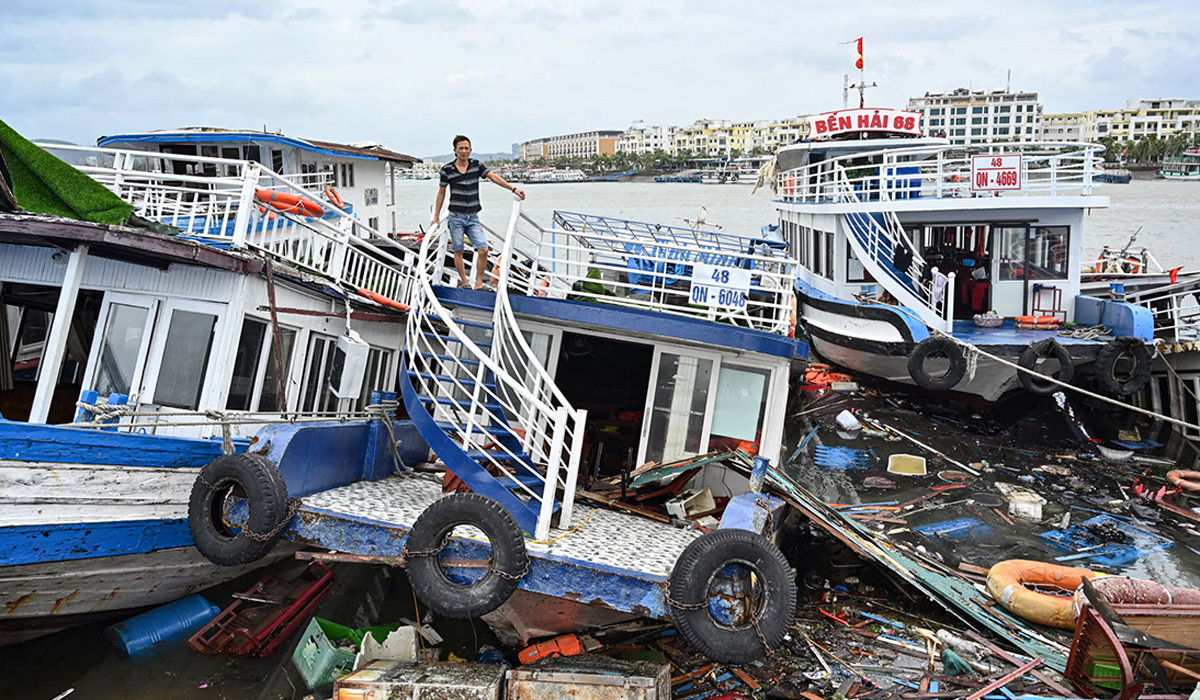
464 187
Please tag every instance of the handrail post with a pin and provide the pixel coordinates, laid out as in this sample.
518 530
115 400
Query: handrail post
552 465
241 221
572 480
950 302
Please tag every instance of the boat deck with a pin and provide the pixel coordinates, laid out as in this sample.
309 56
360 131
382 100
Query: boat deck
609 559
1008 334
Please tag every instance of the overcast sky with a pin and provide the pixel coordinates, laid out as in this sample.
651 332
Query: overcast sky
412 73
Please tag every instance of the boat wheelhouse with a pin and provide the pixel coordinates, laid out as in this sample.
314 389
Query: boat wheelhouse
136 356
362 174
1185 166
904 241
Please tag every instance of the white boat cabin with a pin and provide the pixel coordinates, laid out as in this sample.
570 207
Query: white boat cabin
363 174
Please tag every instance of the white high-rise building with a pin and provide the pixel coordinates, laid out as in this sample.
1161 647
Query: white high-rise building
973 117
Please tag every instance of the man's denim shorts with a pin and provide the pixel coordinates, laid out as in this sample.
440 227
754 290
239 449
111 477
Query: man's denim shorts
468 223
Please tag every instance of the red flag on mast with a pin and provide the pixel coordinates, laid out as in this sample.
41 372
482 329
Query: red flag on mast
859 63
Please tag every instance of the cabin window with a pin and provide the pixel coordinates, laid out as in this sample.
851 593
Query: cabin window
185 359
389 185
1048 253
373 222
277 160
816 258
209 169
120 348
740 405
375 378
268 397
855 272
347 175
829 254
245 365
317 396
1010 249
253 153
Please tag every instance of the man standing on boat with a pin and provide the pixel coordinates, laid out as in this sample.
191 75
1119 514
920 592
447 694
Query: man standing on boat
462 176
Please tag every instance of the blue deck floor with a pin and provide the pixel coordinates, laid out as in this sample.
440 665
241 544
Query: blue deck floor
1009 334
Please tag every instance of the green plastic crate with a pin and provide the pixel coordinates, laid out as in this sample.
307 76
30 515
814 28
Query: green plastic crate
1099 671
317 659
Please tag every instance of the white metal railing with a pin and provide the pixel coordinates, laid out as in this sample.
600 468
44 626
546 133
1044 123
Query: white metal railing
876 244
490 387
942 171
648 267
1176 310
229 202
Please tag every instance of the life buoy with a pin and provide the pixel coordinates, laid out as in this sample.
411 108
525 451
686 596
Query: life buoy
1135 591
1047 347
1109 374
935 345
509 561
248 476
768 611
1036 320
789 186
334 198
289 203
1184 479
381 299
1007 582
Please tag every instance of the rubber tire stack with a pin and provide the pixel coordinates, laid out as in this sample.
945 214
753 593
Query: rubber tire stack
932 345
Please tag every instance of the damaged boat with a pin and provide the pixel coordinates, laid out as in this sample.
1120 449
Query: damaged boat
140 355
926 263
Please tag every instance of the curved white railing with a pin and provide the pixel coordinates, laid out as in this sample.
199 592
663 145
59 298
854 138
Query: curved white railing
214 200
1047 169
483 396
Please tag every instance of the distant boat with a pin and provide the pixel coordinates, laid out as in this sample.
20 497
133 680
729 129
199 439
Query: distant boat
1185 166
1118 176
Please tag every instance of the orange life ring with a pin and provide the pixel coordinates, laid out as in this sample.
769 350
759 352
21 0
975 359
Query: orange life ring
334 198
289 203
789 186
1007 582
792 323
377 297
1184 479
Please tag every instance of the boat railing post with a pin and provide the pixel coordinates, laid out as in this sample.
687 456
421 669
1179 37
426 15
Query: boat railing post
941 174
950 303
241 221
552 466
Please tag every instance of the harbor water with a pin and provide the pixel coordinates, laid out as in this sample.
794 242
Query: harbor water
1165 211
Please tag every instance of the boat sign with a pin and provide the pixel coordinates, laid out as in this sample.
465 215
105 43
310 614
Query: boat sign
994 173
722 287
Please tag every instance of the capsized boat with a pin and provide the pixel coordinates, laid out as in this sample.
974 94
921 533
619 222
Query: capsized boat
906 243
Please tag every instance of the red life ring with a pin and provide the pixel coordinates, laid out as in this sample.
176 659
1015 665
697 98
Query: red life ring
1185 479
289 203
334 198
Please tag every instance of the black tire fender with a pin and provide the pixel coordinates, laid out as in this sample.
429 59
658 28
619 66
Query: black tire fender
937 344
1046 347
509 561
1110 355
772 609
249 476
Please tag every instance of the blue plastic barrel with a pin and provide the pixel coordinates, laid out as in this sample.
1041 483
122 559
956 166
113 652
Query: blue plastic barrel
161 626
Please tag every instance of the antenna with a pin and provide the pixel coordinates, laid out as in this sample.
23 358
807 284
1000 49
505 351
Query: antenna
845 90
1008 81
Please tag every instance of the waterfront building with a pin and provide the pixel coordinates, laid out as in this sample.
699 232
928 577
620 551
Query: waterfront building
973 117
1161 118
580 145
639 138
1063 127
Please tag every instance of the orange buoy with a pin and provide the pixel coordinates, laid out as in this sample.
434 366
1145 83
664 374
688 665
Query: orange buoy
334 198
1007 581
377 297
1185 479
289 203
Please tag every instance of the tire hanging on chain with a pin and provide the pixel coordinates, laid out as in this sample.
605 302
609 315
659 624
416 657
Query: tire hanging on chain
764 615
508 565
935 345
1107 368
1047 347
248 476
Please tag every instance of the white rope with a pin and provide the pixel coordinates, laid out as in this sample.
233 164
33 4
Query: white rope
103 413
1047 378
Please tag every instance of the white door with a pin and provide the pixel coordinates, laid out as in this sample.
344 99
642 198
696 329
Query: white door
1008 270
678 405
181 376
117 359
